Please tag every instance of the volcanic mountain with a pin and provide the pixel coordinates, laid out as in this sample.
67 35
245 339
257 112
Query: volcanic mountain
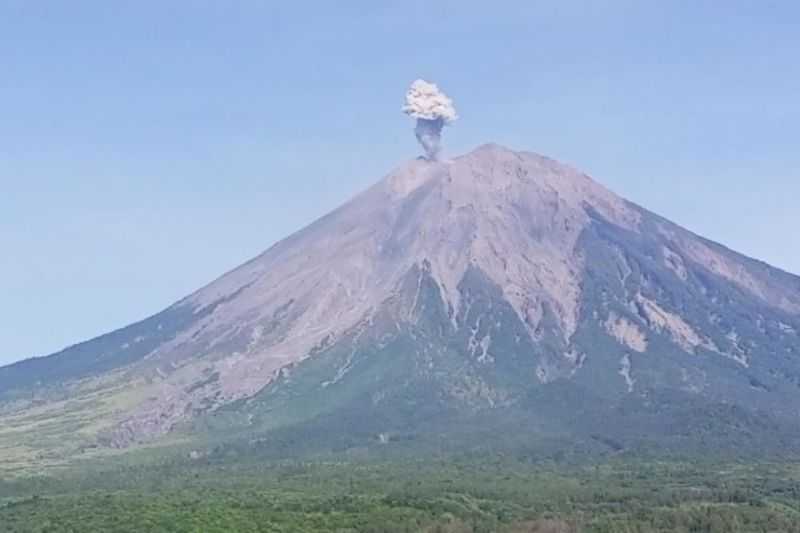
497 299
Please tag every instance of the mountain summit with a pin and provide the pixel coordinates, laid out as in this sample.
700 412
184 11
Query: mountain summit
498 291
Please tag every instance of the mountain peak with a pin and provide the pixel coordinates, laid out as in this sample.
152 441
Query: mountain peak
493 261
514 217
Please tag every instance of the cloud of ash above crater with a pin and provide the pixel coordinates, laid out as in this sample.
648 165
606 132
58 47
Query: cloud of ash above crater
433 110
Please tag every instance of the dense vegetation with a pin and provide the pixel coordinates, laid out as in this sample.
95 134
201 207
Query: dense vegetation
448 496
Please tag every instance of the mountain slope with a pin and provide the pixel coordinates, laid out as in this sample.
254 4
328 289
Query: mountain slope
496 290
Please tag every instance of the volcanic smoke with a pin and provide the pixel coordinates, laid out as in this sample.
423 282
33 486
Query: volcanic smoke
433 110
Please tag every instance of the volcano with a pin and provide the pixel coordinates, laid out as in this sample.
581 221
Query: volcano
498 299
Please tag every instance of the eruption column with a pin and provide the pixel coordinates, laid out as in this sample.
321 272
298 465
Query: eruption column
433 111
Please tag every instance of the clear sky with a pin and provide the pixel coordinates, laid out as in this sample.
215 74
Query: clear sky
147 147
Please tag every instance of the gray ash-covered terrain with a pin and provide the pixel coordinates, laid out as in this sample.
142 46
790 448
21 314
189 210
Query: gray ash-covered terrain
496 300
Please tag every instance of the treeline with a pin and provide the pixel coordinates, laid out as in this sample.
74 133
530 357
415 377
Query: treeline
428 497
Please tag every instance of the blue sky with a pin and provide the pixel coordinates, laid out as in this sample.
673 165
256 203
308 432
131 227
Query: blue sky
147 147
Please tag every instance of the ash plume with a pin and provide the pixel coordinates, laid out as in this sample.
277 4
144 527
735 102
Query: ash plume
433 111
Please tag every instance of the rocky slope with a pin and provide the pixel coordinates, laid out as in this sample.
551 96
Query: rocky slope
499 285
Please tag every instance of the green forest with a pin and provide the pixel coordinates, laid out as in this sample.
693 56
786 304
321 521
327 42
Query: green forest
465 495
